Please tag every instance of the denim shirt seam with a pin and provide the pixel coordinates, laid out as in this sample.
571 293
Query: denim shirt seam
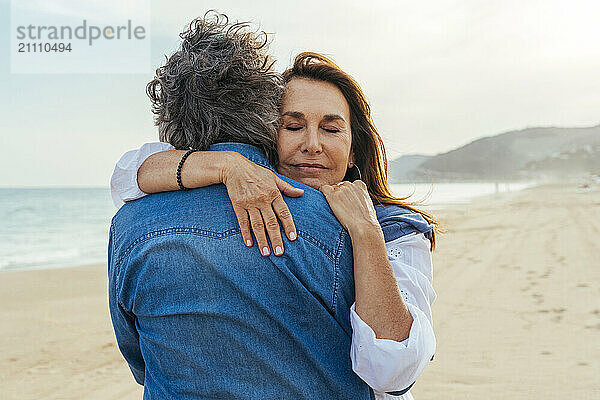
116 266
306 236
215 235
336 267
175 231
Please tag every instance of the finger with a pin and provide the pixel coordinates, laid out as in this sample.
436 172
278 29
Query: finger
326 189
360 186
349 191
357 188
244 222
258 227
273 229
288 189
284 215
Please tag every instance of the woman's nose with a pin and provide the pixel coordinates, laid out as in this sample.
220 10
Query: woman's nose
312 142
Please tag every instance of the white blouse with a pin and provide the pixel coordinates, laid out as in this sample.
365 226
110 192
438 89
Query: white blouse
385 365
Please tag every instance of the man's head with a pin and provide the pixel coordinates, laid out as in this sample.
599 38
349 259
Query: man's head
218 87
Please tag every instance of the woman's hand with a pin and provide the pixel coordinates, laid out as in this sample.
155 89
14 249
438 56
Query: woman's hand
352 206
255 193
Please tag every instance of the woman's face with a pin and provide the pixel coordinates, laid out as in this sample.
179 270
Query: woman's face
314 142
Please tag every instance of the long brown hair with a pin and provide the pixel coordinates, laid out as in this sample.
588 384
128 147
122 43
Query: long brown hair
368 148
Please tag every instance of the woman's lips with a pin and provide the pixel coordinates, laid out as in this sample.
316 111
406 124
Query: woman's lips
309 168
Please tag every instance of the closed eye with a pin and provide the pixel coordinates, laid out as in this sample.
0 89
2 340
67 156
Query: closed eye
331 130
293 128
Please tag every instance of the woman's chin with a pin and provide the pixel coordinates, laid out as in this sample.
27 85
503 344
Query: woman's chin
313 182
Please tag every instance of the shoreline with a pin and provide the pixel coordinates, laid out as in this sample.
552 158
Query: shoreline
516 310
433 205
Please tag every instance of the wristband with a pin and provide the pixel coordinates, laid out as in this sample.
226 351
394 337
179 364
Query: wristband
185 156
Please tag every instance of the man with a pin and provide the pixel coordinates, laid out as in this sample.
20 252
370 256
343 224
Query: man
196 313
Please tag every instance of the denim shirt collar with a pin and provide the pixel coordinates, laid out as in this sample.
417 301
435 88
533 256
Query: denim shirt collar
249 151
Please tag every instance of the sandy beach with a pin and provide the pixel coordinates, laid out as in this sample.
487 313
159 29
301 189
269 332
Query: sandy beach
517 313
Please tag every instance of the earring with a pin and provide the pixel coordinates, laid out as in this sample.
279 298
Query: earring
357 169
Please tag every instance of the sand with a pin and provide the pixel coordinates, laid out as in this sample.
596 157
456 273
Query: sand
518 311
56 338
517 314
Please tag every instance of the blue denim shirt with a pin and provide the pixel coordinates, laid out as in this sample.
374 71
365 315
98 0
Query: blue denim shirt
199 315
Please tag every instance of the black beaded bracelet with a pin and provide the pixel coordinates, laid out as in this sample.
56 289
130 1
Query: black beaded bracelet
190 151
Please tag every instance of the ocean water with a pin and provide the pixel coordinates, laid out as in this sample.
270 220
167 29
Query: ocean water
50 228
437 195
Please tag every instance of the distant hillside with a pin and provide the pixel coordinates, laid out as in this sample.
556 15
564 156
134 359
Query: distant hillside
401 167
524 154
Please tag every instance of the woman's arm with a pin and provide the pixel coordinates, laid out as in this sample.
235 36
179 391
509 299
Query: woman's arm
153 167
378 299
392 333
255 191
388 365
158 173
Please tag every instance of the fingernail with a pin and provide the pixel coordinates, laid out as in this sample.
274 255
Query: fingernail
278 250
265 251
292 235
248 243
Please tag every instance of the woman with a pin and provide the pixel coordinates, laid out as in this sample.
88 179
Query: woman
326 138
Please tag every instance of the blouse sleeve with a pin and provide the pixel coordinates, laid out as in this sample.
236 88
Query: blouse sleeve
123 183
387 365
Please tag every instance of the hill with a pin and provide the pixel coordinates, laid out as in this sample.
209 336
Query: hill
530 153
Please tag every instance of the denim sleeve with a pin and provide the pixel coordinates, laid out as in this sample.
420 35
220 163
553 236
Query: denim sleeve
123 321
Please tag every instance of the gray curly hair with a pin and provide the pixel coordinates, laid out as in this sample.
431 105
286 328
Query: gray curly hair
218 87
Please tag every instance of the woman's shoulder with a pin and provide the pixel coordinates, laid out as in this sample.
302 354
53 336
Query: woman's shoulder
397 221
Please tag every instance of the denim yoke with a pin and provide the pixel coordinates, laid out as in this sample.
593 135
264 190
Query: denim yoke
198 315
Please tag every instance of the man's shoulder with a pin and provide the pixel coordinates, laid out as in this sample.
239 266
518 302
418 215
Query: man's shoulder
205 210
170 205
208 211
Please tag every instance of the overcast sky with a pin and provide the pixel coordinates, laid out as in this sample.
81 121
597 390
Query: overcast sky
438 74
